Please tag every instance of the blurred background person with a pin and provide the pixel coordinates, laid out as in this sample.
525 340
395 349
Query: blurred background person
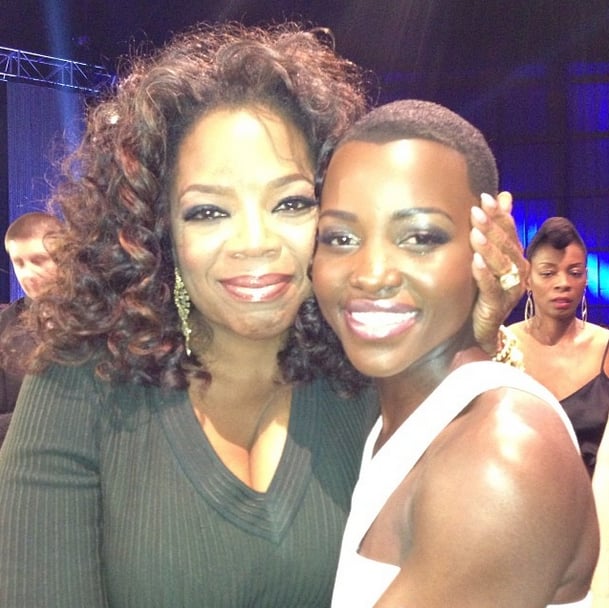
26 243
564 352
569 355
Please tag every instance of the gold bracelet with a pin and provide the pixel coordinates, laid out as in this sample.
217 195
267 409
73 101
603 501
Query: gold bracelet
509 352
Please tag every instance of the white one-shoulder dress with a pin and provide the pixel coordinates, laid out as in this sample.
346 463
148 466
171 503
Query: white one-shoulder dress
360 581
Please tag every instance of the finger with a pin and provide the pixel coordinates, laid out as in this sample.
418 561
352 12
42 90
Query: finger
490 291
495 238
493 304
501 205
499 209
499 252
505 202
491 308
497 216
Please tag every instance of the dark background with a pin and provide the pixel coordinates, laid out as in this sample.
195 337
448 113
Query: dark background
532 75
385 35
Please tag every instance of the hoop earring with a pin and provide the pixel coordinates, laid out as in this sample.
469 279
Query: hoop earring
584 305
529 307
181 300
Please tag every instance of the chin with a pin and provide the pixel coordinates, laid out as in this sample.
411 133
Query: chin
264 329
378 366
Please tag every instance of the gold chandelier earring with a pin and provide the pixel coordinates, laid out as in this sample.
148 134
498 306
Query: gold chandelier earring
529 307
182 302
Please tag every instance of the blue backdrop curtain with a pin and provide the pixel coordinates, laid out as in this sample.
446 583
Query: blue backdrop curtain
41 122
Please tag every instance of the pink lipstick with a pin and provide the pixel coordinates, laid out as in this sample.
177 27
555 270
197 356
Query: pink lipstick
250 288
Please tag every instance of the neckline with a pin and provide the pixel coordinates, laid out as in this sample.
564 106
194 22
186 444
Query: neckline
265 514
585 387
379 475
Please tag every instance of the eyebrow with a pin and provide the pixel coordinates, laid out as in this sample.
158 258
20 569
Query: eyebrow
278 182
553 264
397 215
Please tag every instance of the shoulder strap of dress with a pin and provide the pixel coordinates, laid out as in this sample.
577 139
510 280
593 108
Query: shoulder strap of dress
380 475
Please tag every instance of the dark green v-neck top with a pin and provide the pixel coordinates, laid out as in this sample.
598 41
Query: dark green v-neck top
112 496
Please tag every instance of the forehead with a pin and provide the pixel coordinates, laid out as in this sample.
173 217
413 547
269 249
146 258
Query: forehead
402 156
405 170
248 137
26 247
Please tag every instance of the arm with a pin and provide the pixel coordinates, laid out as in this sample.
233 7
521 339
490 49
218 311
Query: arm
496 246
600 486
502 516
50 496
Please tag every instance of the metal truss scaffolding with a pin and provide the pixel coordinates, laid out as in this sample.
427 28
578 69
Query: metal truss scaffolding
83 77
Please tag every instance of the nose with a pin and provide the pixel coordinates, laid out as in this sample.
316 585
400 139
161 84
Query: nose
254 235
375 271
563 281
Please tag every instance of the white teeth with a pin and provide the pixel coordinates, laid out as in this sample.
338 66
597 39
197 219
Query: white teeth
255 294
381 318
378 325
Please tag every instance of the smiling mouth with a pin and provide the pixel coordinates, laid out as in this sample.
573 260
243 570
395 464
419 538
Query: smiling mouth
376 325
257 289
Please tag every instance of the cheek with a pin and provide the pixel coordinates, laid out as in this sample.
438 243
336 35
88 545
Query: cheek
451 285
536 285
20 274
301 241
461 299
328 279
194 248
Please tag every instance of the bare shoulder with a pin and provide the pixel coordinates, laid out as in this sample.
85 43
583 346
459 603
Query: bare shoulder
520 332
594 343
513 436
599 336
517 329
504 488
597 332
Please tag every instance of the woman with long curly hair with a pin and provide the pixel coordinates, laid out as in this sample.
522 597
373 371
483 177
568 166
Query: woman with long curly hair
178 443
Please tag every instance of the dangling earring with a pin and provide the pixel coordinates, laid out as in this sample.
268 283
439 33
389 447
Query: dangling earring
182 302
529 307
584 308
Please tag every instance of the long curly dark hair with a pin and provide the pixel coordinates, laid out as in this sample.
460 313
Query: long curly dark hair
113 302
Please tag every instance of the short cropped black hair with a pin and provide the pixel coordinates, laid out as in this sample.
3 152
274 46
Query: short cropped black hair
416 119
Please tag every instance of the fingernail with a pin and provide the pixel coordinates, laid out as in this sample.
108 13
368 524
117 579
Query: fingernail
488 200
479 215
479 260
479 237
505 202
